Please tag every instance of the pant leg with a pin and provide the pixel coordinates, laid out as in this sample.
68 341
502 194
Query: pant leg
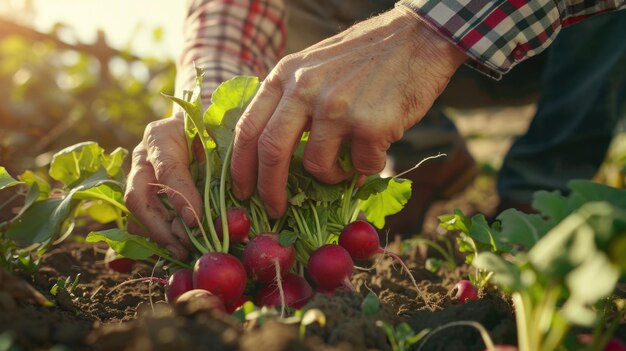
583 93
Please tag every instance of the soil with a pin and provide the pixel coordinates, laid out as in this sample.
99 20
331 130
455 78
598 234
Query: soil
101 314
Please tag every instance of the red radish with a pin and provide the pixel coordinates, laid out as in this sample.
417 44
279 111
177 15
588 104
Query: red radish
178 283
464 291
222 274
613 344
361 240
263 253
330 267
296 290
212 302
238 225
118 263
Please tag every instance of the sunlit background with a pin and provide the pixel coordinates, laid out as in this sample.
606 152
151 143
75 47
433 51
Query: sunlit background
153 27
77 70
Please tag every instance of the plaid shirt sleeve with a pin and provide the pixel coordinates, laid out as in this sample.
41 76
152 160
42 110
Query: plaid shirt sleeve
228 38
497 34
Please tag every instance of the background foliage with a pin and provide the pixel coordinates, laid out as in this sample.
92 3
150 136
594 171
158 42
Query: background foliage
57 93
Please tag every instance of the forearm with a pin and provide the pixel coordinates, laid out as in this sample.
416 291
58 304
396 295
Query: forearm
498 34
229 38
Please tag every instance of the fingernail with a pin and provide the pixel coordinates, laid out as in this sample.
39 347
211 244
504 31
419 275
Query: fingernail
177 252
272 212
237 191
189 217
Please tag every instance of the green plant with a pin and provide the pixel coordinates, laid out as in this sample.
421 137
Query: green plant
402 336
569 250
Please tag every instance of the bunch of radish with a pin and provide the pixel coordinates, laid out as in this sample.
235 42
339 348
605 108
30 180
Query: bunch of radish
243 254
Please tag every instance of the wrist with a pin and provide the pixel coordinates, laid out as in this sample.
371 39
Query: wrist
430 40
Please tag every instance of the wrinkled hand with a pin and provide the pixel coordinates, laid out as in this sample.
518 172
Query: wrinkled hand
363 87
162 158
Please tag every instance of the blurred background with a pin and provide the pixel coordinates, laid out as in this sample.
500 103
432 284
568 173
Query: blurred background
77 70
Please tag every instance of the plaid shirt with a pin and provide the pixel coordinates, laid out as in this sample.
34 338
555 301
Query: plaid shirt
498 34
235 37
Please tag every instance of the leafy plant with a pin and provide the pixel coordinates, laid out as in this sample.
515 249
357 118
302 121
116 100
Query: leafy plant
68 285
402 336
570 250
83 181
475 236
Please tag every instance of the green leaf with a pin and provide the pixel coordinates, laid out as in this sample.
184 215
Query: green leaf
374 184
481 232
113 162
80 161
521 228
287 238
506 274
370 305
126 244
457 221
595 271
386 203
433 264
31 179
228 103
6 180
100 190
69 164
40 222
592 191
101 212
300 181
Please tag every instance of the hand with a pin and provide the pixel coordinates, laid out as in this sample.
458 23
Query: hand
162 158
363 87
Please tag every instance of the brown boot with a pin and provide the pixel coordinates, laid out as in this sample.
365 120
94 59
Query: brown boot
436 179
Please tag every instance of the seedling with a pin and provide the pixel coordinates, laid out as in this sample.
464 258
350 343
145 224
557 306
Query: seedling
68 285
402 337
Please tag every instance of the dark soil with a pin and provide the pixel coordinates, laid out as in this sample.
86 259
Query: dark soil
102 315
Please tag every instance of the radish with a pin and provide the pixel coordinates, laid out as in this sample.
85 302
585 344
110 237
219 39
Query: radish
178 283
238 225
263 253
222 274
296 290
464 291
614 344
361 240
118 263
330 267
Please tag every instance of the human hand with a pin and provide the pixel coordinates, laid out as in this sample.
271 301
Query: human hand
363 87
162 158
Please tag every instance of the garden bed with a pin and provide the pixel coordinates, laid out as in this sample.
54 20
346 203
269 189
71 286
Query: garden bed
101 315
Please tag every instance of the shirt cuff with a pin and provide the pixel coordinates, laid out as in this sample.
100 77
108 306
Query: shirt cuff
495 34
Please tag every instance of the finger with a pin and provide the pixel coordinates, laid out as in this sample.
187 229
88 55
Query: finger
321 154
167 152
181 234
135 227
275 148
244 161
369 155
142 200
